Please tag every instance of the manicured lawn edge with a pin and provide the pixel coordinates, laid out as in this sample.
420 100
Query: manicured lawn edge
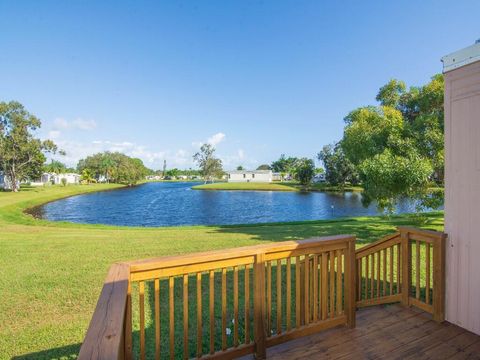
247 186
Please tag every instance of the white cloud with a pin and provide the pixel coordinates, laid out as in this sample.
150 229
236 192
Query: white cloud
213 140
238 158
78 123
54 134
181 158
216 139
60 123
240 153
84 124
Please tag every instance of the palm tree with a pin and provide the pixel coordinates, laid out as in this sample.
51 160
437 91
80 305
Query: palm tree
87 176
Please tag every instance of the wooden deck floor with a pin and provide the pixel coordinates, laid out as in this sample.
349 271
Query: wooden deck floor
385 332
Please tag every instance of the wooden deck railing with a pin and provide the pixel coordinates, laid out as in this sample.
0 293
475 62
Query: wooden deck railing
226 303
406 267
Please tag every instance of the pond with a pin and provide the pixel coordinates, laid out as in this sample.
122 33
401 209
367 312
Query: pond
175 203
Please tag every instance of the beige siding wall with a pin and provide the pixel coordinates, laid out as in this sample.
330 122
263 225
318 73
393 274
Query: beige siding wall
462 195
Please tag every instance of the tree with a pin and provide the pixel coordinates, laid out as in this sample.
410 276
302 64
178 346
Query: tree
387 176
173 172
87 176
370 130
115 167
264 167
21 154
391 93
55 166
423 114
304 170
284 164
339 170
240 168
210 166
397 147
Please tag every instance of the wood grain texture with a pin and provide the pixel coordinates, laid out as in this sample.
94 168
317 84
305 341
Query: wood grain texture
105 334
171 306
141 303
247 304
186 353
211 305
384 332
157 318
199 315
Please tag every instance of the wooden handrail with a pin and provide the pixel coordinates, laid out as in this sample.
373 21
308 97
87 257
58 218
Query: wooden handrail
385 268
312 261
319 282
105 338
382 243
232 253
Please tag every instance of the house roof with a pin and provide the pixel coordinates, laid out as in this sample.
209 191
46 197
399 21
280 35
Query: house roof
461 57
250 172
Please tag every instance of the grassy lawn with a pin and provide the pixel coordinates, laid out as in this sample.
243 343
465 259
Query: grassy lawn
252 186
51 273
323 187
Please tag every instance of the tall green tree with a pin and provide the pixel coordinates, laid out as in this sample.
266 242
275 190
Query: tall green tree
339 170
21 154
173 172
210 166
304 171
284 164
114 167
55 166
397 147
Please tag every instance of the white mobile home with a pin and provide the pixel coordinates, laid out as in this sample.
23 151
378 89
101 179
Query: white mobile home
71 178
56 179
249 176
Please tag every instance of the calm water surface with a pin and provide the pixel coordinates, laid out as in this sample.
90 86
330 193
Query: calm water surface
171 204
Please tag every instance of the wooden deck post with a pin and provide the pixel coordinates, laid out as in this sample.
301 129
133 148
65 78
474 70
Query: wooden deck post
406 267
349 284
259 307
439 279
128 324
302 293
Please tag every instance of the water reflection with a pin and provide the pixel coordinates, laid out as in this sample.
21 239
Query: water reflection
171 204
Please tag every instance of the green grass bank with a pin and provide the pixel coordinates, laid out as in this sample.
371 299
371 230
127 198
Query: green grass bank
51 273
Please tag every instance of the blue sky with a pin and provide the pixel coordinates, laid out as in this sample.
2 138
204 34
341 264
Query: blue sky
154 79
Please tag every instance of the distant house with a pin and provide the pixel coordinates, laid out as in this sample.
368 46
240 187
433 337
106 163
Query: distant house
5 183
56 179
71 178
153 177
319 178
250 176
276 176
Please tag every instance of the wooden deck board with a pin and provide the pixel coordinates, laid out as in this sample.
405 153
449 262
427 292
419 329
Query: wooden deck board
384 332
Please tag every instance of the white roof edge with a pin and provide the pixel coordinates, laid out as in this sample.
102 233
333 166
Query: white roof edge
248 171
461 57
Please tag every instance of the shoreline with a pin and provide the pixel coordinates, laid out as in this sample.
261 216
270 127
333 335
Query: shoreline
28 211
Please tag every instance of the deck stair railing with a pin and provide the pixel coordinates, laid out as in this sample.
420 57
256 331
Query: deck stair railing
223 304
408 267
229 303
